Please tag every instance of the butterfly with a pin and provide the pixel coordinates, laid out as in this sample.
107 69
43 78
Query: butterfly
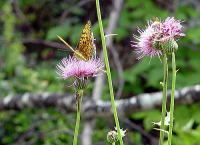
86 47
86 44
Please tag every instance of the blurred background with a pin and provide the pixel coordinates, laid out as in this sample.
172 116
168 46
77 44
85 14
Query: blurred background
30 88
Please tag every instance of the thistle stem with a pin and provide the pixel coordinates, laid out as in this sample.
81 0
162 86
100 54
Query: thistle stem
79 95
164 99
108 72
172 98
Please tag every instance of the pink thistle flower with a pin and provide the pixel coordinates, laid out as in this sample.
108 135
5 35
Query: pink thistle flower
149 41
73 67
144 45
172 27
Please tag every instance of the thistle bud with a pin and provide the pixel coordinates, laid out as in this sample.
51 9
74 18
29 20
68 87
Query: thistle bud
169 46
112 136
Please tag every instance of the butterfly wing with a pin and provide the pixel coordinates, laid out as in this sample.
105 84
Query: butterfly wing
86 42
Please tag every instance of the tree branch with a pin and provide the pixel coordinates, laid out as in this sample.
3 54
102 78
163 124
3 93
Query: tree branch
47 43
97 108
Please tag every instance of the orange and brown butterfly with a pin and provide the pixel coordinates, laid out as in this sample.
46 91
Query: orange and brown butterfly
86 46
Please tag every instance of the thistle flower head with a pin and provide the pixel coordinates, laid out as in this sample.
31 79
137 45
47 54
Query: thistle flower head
150 41
77 68
145 41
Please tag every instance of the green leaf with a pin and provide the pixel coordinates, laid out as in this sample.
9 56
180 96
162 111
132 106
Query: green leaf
194 34
149 117
181 118
155 76
75 33
63 31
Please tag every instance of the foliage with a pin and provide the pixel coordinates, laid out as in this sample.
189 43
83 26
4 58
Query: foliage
186 128
52 127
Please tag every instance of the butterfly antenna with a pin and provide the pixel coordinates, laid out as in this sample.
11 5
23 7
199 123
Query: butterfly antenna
70 47
66 43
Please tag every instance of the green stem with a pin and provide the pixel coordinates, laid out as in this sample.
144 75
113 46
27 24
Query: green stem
164 99
79 95
172 98
108 72
113 143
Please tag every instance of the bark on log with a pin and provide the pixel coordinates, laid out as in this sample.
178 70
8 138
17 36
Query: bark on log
98 108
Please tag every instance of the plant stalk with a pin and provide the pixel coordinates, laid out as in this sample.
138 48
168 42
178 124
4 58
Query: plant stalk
164 99
172 98
79 95
108 72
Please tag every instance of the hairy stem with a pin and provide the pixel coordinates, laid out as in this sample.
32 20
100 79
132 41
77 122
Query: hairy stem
164 99
172 98
79 95
108 72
